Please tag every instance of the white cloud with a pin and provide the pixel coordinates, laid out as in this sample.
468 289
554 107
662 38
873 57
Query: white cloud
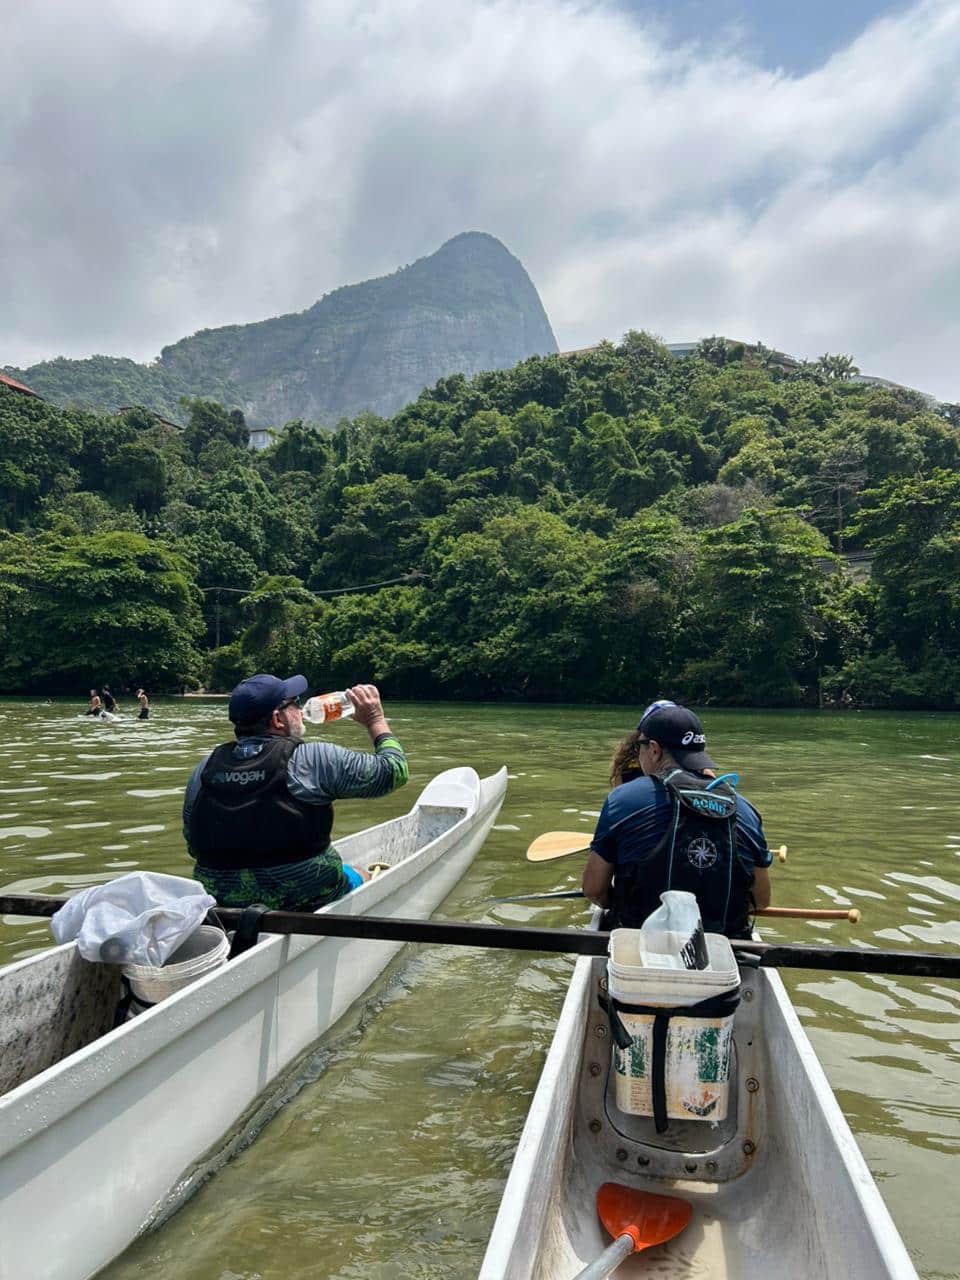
173 166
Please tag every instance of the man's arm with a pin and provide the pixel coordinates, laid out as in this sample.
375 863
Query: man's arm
762 891
597 879
321 772
190 797
752 849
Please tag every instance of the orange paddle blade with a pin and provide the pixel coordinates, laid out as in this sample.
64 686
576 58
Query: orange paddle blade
557 844
650 1219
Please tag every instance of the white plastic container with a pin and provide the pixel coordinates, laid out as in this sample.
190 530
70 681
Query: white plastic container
639 976
205 950
698 1050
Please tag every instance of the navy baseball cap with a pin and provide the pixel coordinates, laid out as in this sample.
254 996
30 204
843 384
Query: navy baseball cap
254 698
680 731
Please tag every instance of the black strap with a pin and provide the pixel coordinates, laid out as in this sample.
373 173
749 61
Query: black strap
123 1006
247 933
658 1069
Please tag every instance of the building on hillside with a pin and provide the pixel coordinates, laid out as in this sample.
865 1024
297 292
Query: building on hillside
12 383
870 381
260 437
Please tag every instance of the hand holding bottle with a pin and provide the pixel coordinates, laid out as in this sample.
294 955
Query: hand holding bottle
368 709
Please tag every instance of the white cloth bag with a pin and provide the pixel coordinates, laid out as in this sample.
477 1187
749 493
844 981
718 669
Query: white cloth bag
144 915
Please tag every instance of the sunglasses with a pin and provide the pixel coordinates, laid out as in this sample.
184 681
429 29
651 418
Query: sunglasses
644 742
289 702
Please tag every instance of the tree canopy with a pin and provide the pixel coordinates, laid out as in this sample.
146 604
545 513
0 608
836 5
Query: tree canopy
606 526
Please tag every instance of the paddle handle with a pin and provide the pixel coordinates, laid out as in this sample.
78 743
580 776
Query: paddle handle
609 1260
809 913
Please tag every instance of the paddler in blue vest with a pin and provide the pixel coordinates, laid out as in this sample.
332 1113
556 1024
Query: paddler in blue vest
258 812
675 825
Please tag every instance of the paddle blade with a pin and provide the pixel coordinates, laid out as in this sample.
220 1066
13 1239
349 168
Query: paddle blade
649 1218
557 844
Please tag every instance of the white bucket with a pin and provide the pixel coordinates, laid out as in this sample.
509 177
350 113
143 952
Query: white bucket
205 950
698 1050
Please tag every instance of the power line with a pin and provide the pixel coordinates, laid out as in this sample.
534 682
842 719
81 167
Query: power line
414 575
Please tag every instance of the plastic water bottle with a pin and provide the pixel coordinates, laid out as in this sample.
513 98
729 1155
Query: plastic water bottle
328 706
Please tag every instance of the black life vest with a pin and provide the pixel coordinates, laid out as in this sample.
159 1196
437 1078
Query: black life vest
697 854
245 816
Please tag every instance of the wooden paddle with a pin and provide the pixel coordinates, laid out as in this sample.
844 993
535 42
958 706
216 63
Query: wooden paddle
583 942
851 915
636 1220
558 844
561 844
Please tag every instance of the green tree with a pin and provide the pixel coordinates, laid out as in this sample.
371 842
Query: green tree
752 630
113 604
837 367
511 607
912 525
210 422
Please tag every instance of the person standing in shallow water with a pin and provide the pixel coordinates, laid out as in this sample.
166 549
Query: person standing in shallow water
675 825
258 812
96 706
109 701
144 704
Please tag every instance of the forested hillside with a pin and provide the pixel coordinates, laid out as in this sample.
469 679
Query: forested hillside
367 347
606 527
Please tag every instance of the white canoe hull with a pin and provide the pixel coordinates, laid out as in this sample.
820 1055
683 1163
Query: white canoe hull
782 1191
93 1144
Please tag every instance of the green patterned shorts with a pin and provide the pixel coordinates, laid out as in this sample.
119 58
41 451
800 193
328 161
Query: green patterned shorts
292 886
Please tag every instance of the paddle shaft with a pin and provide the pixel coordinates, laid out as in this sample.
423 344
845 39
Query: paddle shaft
915 964
609 1260
851 914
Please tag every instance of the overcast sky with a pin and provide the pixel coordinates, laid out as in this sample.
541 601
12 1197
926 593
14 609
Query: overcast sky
692 167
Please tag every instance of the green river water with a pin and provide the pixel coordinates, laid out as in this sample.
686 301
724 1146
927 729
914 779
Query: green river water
390 1160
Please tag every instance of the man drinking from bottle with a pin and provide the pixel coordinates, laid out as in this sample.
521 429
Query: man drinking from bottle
258 811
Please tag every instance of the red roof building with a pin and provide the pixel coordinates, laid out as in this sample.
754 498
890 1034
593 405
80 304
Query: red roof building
17 386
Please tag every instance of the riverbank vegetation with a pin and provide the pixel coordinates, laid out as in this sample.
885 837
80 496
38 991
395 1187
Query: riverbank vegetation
607 526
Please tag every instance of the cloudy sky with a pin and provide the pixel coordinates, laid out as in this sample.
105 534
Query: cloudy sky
756 168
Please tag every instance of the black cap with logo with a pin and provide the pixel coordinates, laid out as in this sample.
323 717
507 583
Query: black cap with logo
679 731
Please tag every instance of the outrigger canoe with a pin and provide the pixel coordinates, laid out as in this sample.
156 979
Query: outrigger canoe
779 1189
99 1124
